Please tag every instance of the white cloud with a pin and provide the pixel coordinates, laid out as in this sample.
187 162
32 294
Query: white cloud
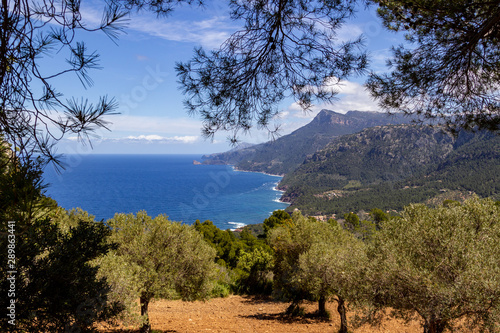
378 60
354 96
187 139
92 15
282 114
351 96
210 33
145 137
349 32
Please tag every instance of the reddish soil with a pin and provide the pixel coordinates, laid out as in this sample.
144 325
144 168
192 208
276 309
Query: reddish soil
248 314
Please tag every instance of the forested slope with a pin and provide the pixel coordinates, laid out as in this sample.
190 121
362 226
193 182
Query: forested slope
391 166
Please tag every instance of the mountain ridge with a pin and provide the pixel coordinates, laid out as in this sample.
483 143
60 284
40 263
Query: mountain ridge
289 151
361 160
389 167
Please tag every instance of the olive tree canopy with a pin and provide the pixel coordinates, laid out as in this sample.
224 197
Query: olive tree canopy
440 265
163 258
317 260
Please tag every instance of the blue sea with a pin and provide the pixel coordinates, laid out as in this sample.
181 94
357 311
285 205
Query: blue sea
164 184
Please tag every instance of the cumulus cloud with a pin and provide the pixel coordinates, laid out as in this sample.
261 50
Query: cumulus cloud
354 96
351 96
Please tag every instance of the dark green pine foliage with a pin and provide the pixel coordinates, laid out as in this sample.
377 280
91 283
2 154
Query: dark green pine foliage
285 49
227 245
277 219
248 258
450 71
56 286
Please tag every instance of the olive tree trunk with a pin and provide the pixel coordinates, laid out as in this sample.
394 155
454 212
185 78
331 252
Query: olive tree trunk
322 306
146 326
294 308
434 325
343 317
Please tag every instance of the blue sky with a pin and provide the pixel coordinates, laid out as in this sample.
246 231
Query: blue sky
138 71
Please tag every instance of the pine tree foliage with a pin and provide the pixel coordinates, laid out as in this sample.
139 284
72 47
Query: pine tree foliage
33 113
286 48
40 42
451 71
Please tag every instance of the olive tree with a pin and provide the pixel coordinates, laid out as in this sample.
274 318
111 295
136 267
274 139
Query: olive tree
163 258
317 260
289 241
334 268
440 265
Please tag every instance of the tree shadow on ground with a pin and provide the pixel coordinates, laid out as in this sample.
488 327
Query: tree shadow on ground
260 299
307 318
135 331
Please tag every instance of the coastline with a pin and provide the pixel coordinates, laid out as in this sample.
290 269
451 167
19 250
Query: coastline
275 188
278 190
265 173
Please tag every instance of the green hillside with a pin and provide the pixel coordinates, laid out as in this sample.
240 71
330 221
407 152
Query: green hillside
391 166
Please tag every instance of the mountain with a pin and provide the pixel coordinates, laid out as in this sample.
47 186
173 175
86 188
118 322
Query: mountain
230 157
286 153
389 167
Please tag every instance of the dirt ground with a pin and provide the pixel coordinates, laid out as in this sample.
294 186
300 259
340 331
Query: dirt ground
247 314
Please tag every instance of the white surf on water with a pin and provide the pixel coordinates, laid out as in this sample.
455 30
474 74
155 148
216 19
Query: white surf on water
237 225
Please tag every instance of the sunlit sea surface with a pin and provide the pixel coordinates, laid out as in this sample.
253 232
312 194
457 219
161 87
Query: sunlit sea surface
164 184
